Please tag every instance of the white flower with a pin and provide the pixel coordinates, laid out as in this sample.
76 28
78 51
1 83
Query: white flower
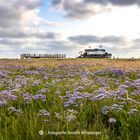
112 120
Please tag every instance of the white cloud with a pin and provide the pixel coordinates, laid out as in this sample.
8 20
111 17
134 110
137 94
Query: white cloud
22 30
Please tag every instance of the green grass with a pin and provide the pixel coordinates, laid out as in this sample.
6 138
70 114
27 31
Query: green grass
83 114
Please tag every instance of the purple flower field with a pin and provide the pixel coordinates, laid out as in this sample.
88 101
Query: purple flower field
69 96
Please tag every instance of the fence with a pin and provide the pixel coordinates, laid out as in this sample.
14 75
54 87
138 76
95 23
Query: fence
23 56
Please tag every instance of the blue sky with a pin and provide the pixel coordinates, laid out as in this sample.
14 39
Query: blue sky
69 26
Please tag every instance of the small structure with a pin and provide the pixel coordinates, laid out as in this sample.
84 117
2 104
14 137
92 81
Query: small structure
56 56
95 53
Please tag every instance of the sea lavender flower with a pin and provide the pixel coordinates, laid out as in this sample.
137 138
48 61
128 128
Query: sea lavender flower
105 110
137 81
67 92
46 76
133 111
68 103
122 91
101 96
116 107
3 102
117 71
5 92
27 97
100 90
58 92
70 117
23 82
135 93
13 109
36 83
32 72
79 88
112 120
129 83
123 86
72 111
39 97
44 112
12 97
70 114
44 90
87 95
2 74
17 86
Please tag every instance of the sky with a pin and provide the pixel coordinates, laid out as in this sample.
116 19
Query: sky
69 26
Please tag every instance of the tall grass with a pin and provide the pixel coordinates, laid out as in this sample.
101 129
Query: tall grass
98 99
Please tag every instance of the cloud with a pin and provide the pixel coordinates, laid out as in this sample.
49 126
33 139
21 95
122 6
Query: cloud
82 9
54 24
9 16
77 9
56 2
136 40
9 42
22 30
13 10
21 27
26 35
114 2
87 39
135 45
119 46
103 2
19 46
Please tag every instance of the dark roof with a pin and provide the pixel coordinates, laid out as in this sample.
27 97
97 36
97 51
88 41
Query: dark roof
95 50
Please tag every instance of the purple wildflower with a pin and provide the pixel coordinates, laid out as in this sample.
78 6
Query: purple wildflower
68 103
137 81
32 72
44 90
13 109
43 112
123 86
12 97
2 102
46 76
116 107
105 110
120 92
100 90
3 74
5 92
133 111
135 93
27 97
118 71
36 83
79 88
100 96
39 97
70 115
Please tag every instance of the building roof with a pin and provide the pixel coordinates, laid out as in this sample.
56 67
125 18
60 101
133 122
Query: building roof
95 50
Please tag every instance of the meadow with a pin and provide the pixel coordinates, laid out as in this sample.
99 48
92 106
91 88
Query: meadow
72 99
